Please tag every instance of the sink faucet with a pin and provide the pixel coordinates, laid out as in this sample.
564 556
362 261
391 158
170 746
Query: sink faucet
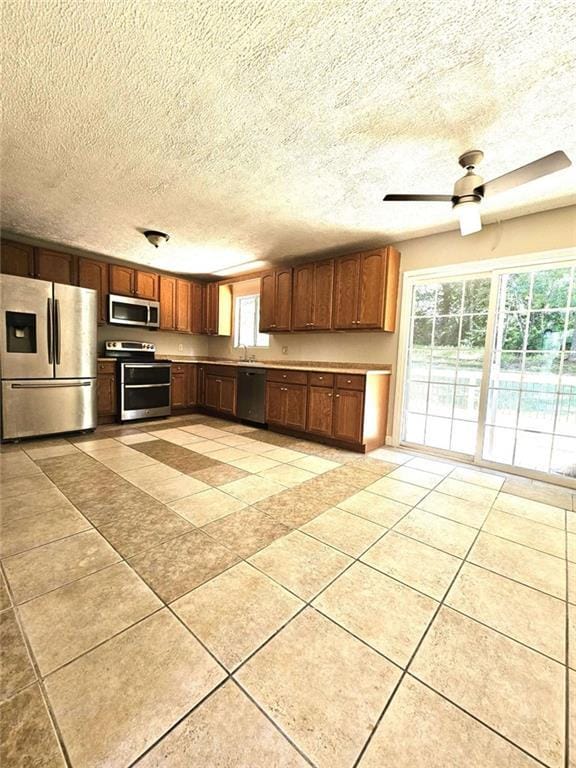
245 358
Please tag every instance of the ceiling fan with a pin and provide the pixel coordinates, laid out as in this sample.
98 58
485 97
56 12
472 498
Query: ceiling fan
470 190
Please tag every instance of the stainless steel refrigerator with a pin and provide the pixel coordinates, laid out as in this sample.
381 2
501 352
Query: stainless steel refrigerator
48 360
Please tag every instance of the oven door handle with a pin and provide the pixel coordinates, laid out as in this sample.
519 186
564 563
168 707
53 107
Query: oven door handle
146 365
144 386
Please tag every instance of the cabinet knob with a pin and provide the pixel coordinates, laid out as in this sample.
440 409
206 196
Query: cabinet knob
348 381
337 395
329 394
284 376
320 378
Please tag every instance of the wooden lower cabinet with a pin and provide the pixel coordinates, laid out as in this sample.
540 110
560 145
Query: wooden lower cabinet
106 390
286 405
184 385
348 417
220 393
320 411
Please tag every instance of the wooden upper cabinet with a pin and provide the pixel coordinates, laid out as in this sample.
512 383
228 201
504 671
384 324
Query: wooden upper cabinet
94 274
276 301
366 290
348 415
121 280
196 307
210 320
322 295
182 306
56 267
167 303
146 285
17 259
302 297
346 282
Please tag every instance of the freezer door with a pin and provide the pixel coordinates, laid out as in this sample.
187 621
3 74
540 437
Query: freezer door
35 407
75 321
26 328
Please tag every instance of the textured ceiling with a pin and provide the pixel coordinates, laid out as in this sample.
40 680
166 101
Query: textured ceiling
264 129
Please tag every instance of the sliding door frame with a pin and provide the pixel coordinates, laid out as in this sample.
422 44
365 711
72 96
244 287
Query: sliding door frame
492 268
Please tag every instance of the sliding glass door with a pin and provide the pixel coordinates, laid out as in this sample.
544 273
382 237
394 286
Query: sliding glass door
531 401
445 361
490 368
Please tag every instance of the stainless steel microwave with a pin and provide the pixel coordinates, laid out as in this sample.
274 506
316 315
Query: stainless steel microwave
124 310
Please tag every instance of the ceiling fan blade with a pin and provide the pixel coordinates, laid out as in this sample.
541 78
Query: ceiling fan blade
419 198
542 167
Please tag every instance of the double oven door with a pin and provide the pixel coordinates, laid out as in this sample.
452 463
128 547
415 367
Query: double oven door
144 389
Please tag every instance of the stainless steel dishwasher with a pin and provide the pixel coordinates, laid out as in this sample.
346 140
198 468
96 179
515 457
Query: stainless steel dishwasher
251 397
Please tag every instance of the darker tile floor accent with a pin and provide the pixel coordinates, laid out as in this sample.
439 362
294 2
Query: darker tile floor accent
218 474
141 529
293 507
181 564
16 670
27 737
176 456
246 531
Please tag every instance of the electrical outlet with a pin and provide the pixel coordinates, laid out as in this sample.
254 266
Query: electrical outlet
180 347
284 350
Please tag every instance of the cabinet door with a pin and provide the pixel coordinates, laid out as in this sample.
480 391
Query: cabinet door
212 391
167 303
56 267
320 406
106 394
182 306
192 384
283 300
303 297
94 274
267 302
17 259
179 392
146 285
211 309
228 395
321 301
371 290
346 278
121 280
295 417
348 415
196 307
275 403
201 385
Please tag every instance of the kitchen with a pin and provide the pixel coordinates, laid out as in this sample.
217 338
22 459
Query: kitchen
356 293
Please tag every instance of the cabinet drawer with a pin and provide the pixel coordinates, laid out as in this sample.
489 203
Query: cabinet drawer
221 370
321 379
287 377
106 366
180 367
350 381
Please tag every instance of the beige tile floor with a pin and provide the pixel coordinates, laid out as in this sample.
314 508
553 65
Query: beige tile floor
201 593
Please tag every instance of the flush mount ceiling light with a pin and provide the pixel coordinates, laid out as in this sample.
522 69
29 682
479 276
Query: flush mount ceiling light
471 189
156 238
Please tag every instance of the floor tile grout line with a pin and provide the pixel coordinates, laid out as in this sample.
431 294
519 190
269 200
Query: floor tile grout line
413 655
491 728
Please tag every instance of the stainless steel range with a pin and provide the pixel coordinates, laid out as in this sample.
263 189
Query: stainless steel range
143 381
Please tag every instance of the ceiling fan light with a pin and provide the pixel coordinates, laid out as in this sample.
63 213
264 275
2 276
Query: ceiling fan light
469 216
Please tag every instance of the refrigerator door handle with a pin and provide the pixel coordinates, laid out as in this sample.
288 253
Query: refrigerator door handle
49 384
49 331
57 330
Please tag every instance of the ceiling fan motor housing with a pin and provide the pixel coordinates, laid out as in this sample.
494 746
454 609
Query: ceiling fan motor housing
468 188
